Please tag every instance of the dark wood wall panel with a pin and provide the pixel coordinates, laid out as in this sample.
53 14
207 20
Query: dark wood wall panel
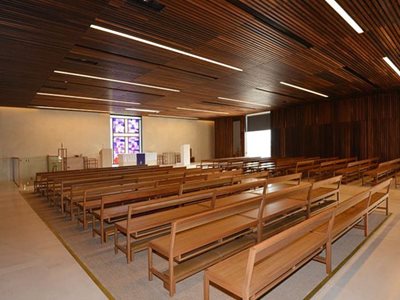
362 126
224 136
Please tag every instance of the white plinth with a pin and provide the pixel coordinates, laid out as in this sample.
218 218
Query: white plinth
185 154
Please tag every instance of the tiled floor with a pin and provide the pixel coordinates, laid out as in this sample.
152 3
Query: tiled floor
35 265
33 262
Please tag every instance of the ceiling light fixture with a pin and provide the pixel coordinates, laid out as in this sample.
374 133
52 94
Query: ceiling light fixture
303 89
172 117
85 98
72 109
345 15
117 81
392 65
203 110
143 110
242 101
140 40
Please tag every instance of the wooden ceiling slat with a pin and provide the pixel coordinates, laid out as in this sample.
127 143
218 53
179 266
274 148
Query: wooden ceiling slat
339 61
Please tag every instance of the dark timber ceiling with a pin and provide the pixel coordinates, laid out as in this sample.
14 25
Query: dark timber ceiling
300 42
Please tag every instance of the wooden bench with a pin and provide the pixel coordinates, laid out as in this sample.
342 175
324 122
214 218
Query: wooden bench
354 170
302 167
382 172
281 209
113 213
251 273
328 168
139 228
321 193
61 187
91 198
201 240
42 178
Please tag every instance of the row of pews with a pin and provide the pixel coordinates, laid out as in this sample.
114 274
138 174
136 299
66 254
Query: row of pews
254 271
196 219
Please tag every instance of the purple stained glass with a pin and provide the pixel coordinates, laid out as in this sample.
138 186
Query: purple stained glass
133 126
118 147
133 144
118 125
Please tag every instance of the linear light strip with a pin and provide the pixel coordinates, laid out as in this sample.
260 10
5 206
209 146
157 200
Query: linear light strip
392 65
242 101
172 117
303 89
203 110
118 81
345 16
73 109
143 110
85 98
137 39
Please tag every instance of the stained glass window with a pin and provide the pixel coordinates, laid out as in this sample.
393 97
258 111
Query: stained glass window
126 135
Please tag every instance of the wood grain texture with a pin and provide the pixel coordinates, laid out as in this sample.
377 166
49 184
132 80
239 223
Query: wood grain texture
301 42
364 126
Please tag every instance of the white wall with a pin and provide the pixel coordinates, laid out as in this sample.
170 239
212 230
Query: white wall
167 135
36 133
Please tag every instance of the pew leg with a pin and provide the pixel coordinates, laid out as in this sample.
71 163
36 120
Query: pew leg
84 218
128 248
328 257
366 224
171 283
102 235
115 240
387 206
150 263
93 225
206 287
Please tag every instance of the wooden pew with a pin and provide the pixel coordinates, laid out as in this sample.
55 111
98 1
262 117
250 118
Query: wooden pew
251 273
328 168
113 213
383 171
303 166
85 206
281 209
354 170
321 192
139 228
92 198
201 240
42 177
60 186
380 195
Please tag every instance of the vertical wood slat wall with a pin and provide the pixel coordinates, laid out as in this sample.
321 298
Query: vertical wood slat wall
224 136
363 126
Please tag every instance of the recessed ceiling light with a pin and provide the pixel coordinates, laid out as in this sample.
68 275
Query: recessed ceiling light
118 81
86 98
304 89
345 15
203 110
172 117
143 110
137 39
392 65
73 109
242 101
